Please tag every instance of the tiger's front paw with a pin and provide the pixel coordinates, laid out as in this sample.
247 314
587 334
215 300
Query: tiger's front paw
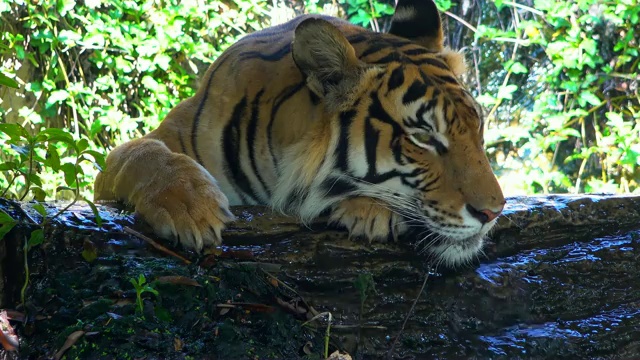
368 218
185 202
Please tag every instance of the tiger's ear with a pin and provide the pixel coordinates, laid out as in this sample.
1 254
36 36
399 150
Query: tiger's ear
418 20
327 60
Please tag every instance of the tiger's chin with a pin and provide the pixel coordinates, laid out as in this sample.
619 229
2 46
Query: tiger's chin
457 252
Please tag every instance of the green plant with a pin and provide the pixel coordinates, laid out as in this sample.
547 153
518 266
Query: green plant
563 99
29 155
141 287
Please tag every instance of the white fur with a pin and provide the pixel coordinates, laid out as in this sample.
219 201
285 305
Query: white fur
404 14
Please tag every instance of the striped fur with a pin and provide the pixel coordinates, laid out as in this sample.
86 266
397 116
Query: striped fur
320 115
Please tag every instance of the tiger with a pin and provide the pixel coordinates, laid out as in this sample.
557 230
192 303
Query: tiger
320 117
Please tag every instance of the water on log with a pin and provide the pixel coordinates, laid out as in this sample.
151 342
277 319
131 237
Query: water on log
558 279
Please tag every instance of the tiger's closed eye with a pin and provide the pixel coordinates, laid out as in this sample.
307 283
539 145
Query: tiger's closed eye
429 141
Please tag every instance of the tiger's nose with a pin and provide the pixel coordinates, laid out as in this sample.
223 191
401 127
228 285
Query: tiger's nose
485 215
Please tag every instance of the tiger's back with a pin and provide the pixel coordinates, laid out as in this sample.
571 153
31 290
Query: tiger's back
254 104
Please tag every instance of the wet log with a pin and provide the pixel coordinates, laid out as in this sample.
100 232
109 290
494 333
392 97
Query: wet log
557 278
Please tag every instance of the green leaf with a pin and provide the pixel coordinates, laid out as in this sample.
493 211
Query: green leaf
82 145
64 6
70 173
89 255
53 159
38 193
5 218
8 166
518 68
14 131
506 92
96 127
588 97
5 228
37 238
8 82
98 157
34 178
6 224
96 213
57 96
40 209
58 135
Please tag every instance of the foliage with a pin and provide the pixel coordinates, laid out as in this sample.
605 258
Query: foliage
564 104
141 287
558 80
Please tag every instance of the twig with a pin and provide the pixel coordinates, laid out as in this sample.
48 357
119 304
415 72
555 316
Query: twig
349 327
413 306
155 244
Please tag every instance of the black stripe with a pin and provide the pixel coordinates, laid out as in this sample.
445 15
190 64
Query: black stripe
394 41
426 186
396 79
279 100
382 177
338 187
196 120
440 148
416 91
342 150
374 48
377 111
251 138
231 138
296 197
433 62
315 99
417 51
391 57
274 56
371 139
358 38
447 79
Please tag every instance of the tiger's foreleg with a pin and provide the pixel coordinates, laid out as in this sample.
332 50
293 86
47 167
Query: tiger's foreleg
171 191
368 218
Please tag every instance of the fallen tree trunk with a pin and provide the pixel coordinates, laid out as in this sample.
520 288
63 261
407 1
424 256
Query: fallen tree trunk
558 271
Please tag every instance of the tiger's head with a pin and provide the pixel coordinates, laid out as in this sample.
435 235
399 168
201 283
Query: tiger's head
405 130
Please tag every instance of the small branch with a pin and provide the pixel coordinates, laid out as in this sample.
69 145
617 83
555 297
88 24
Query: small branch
155 244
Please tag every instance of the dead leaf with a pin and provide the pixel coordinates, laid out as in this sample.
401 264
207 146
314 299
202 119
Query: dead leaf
178 344
71 340
209 261
294 308
308 348
336 355
177 280
224 310
123 302
255 307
